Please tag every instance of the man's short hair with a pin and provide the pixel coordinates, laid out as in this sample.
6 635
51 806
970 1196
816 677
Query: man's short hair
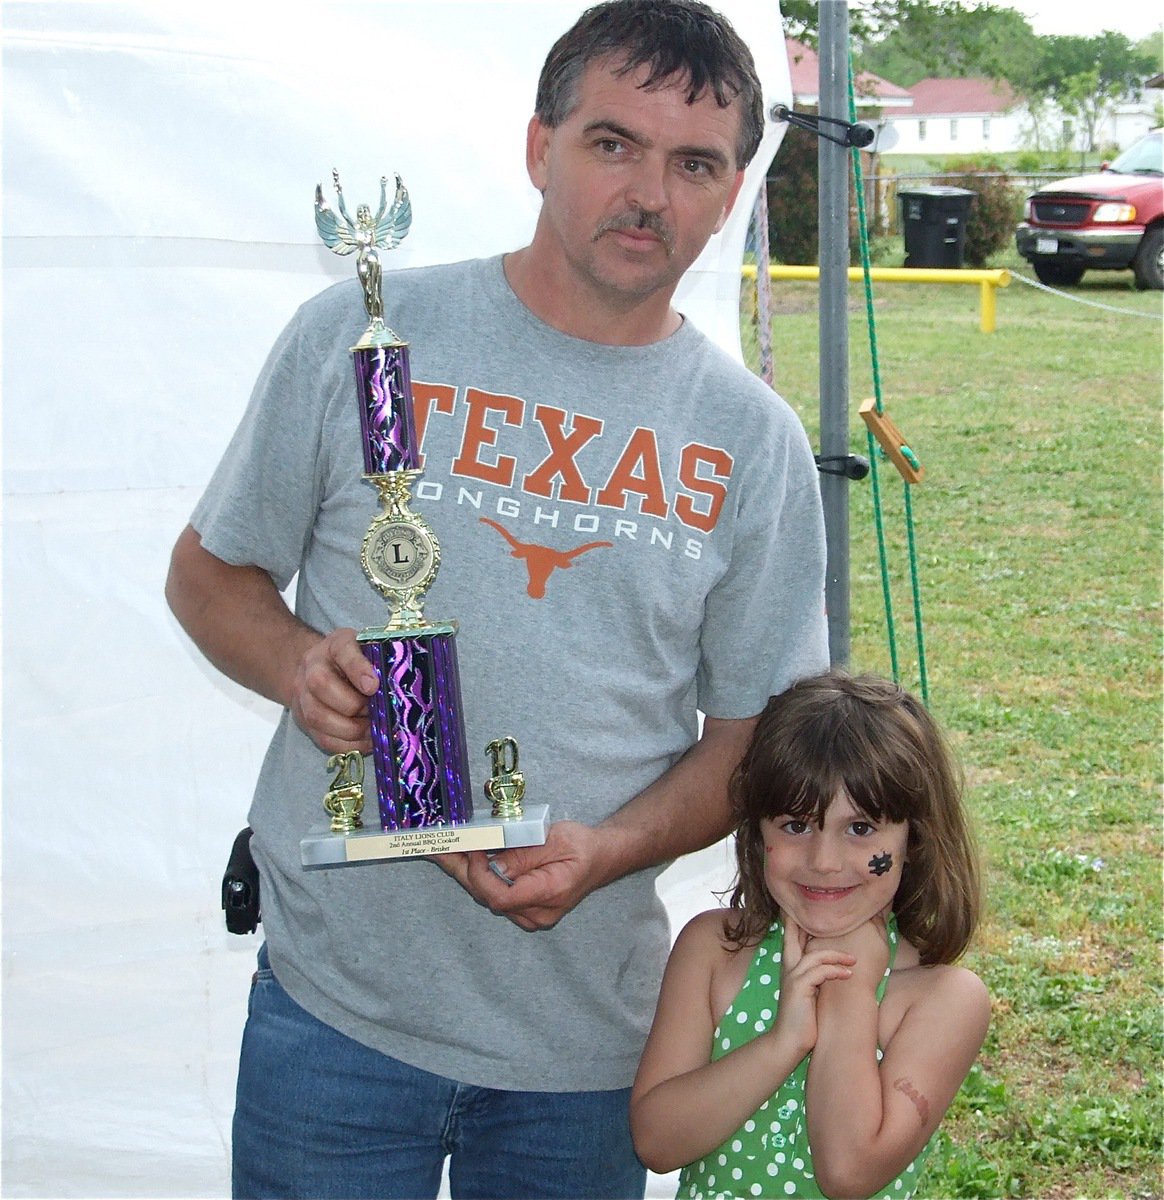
674 39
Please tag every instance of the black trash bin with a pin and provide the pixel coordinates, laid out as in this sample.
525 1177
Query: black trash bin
933 221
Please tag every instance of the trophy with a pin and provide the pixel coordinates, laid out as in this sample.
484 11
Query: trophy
418 730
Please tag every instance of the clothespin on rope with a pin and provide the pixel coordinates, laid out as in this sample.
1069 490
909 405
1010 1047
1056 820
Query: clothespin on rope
892 441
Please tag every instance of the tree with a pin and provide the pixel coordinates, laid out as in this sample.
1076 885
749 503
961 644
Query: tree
917 39
1153 47
792 195
1086 76
1038 129
801 19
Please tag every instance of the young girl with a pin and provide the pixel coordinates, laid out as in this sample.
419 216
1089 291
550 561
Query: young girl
838 1030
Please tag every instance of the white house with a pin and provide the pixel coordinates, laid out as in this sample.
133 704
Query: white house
1128 122
983 116
959 116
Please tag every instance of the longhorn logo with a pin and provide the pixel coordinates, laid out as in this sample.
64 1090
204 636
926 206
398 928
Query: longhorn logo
540 561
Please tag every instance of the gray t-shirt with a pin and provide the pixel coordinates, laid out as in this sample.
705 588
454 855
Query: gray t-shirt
626 533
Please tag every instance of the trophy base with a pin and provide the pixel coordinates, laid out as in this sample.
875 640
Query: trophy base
327 849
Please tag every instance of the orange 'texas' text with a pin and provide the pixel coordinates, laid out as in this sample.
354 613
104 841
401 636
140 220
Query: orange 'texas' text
700 476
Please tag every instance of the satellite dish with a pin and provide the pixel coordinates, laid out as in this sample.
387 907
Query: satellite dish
887 137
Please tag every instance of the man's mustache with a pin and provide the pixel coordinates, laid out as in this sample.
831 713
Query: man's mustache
638 218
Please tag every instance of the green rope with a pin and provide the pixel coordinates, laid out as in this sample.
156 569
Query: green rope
863 228
882 553
915 584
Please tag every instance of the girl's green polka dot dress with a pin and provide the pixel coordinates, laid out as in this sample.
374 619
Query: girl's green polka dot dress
768 1156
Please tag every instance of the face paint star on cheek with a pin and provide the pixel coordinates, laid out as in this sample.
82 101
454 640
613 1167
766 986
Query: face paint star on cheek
879 864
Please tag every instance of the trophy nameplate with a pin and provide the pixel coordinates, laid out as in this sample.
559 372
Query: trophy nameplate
419 753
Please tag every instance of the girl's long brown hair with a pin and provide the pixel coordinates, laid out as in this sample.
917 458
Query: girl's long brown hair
868 737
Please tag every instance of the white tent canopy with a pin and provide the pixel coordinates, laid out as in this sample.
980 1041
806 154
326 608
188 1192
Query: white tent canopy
159 168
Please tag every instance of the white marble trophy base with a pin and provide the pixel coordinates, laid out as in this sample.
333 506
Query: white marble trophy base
326 849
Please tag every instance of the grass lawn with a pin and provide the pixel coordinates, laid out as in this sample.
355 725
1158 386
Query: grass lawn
1038 530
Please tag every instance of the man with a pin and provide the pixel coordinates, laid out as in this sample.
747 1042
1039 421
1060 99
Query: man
630 527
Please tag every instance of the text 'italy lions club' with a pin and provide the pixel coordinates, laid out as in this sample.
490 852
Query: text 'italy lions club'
641 499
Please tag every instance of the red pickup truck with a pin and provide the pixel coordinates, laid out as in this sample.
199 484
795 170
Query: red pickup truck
1110 221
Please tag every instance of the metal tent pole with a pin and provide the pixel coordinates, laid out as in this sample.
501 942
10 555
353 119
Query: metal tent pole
833 197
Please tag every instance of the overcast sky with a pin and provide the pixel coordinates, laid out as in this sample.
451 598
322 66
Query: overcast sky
1133 18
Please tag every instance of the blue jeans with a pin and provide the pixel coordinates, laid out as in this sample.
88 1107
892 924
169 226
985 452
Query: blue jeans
320 1115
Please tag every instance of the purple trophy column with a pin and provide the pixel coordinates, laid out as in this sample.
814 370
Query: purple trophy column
418 735
384 386
418 729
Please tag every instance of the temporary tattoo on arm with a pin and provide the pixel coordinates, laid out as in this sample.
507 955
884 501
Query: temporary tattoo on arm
919 1101
880 863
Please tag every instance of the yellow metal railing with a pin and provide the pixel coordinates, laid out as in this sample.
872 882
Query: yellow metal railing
988 281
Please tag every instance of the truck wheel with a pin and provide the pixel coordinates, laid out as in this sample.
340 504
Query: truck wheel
1149 262
1057 274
